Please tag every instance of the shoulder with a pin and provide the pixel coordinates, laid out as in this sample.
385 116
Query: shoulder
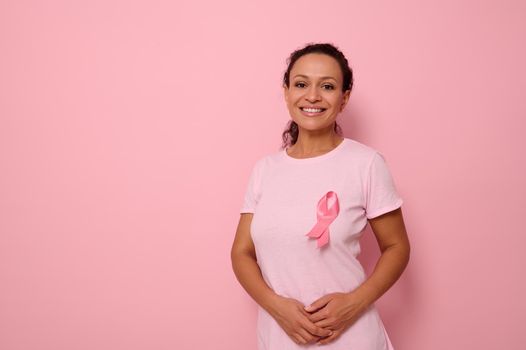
359 146
269 159
263 164
360 151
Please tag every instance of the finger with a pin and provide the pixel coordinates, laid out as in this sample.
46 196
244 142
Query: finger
329 339
309 338
319 331
305 313
299 339
316 330
318 316
325 323
309 318
317 304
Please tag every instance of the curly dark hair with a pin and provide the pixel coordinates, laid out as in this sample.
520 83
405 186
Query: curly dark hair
290 135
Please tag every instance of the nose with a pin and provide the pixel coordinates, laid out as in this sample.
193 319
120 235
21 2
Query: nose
313 94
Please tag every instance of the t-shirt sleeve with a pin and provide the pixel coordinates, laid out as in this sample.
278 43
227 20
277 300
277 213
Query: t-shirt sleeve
381 194
252 190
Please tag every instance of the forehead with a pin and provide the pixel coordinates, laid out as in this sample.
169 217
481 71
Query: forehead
316 65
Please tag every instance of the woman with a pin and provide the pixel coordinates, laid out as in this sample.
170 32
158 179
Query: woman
304 211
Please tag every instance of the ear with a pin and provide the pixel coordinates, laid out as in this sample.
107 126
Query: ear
286 93
345 99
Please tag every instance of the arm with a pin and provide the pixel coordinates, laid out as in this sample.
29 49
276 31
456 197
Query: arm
338 311
392 239
288 312
244 264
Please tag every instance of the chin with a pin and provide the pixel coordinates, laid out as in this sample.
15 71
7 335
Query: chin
313 125
313 128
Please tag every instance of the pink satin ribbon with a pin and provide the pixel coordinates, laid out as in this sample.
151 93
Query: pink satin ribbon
327 211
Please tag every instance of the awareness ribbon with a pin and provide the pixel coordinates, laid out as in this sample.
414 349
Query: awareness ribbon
326 213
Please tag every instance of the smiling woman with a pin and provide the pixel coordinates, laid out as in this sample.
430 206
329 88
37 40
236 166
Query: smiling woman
305 208
315 58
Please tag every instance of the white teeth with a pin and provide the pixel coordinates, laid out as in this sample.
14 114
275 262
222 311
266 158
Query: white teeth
312 110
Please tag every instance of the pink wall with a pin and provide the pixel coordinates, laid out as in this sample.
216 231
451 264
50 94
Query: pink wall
128 130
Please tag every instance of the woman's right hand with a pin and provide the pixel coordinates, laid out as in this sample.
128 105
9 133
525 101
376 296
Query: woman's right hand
292 317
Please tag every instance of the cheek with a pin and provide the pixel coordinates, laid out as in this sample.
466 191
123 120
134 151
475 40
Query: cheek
335 101
292 104
294 97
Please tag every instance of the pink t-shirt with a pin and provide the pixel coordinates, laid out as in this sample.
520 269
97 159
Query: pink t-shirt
283 193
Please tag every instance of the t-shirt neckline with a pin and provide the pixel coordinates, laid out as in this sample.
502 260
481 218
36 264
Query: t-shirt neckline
326 155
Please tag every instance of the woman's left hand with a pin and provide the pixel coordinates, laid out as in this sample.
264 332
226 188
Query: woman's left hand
336 311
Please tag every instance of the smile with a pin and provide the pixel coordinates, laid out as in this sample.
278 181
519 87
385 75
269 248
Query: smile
308 111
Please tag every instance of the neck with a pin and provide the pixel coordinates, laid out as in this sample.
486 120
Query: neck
311 144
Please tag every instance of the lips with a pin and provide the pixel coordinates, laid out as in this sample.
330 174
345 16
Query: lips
312 111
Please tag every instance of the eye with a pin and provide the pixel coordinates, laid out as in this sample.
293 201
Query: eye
328 86
299 84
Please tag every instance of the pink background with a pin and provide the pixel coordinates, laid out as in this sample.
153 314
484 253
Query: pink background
128 131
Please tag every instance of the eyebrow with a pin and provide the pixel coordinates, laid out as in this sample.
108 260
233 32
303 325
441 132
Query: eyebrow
322 78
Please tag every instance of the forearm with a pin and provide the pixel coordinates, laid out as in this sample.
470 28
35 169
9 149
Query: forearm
388 269
249 276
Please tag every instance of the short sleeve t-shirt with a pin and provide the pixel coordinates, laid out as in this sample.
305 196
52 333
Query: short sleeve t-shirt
283 193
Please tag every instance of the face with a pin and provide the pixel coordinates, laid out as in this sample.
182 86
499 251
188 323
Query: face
314 96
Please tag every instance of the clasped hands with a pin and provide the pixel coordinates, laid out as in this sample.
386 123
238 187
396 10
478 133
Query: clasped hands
322 321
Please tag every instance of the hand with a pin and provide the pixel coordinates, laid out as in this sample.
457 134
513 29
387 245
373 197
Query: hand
336 312
292 317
